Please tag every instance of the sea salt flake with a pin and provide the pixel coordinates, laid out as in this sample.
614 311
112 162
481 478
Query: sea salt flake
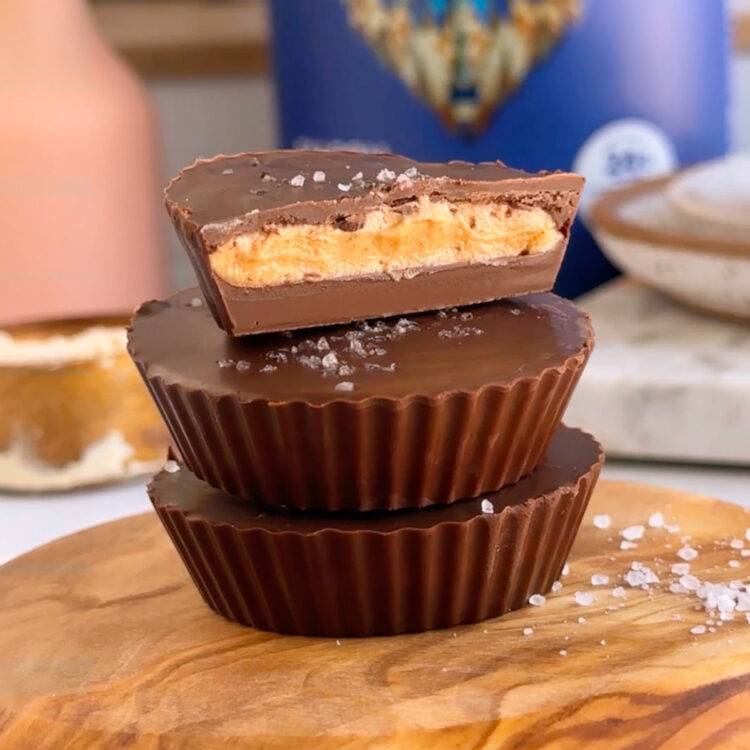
599 579
563 652
656 520
736 544
689 582
672 528
386 175
224 363
734 563
243 365
581 620
297 181
602 521
680 569
312 362
358 176
676 588
487 506
745 553
628 545
557 586
344 188
635 565
228 171
602 642
411 172
467 316
344 386
196 302
319 176
528 631
537 600
267 177
345 371
330 361
687 553
269 368
323 345
698 629
619 592
632 533
171 467
566 569
642 577
583 598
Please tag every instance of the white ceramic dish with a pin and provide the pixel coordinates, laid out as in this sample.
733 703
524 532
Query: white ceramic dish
716 193
642 234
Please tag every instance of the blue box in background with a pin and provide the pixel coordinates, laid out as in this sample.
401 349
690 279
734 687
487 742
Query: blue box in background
615 89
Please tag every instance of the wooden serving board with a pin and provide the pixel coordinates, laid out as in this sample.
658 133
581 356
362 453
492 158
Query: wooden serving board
104 643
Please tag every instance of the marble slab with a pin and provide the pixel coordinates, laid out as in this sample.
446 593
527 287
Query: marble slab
664 382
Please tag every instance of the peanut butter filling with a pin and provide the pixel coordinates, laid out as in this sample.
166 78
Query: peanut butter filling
390 242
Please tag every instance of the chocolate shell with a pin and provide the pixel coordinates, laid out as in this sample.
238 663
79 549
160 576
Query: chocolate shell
406 413
381 573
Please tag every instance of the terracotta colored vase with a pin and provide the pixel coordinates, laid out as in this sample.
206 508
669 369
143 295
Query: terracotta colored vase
80 205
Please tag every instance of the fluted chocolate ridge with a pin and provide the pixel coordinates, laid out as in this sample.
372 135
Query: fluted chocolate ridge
384 573
457 417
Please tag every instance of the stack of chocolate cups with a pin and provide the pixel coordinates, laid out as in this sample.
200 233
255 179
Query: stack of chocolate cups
366 393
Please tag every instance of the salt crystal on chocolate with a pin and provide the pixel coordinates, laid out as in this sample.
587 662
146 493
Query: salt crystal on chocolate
297 181
599 579
344 188
171 467
537 600
487 506
681 569
344 386
330 361
736 544
583 598
319 176
386 175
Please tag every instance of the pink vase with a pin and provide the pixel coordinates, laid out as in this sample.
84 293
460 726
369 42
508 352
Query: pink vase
80 200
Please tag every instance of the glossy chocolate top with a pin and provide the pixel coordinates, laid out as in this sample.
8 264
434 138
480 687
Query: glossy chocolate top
228 195
421 355
571 455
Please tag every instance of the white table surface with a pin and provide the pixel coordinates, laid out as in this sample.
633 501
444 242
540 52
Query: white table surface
29 521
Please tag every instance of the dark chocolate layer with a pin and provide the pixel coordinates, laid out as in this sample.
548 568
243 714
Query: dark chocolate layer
426 355
216 200
382 415
382 573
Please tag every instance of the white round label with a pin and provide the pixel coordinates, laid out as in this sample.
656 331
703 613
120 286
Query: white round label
620 152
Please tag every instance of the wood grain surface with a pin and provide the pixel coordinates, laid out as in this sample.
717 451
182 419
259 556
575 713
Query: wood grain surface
104 643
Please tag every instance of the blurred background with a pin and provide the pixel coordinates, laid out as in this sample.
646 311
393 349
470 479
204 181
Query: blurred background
106 100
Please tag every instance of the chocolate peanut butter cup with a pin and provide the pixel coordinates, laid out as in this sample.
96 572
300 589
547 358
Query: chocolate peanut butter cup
380 573
294 239
404 412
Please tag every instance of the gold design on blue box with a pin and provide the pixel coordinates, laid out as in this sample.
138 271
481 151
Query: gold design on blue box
463 57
